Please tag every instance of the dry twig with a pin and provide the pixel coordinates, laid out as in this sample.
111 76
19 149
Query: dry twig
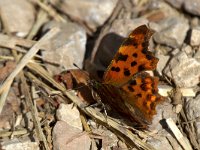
181 139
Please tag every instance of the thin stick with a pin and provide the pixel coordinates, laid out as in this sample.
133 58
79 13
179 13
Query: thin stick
16 132
42 17
4 95
164 90
181 139
50 11
13 41
34 112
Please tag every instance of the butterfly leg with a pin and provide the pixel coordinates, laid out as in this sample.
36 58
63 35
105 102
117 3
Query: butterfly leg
99 103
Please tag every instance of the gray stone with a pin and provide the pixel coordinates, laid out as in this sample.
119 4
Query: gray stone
192 6
187 49
176 3
66 137
173 32
194 22
193 113
183 70
93 13
163 49
197 124
163 9
67 47
192 108
69 114
164 141
162 63
175 51
17 16
123 27
19 144
197 55
109 139
195 36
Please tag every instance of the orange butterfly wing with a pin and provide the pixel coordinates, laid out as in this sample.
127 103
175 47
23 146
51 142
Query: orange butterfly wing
141 94
132 57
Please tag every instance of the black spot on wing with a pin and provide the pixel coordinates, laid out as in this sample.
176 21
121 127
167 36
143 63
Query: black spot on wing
134 63
116 69
139 95
121 57
133 82
149 57
130 41
135 55
147 54
141 67
143 87
131 88
144 51
127 72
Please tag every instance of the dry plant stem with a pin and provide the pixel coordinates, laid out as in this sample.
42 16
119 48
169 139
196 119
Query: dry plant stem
124 132
13 41
6 58
191 131
50 11
33 110
14 133
84 122
43 137
186 92
39 83
181 139
41 19
4 95
35 80
24 61
18 49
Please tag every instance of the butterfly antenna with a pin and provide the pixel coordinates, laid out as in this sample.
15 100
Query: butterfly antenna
77 88
77 66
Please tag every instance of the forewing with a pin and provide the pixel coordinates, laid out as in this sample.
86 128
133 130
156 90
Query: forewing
132 57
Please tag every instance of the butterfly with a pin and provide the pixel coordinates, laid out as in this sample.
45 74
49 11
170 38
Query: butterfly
126 87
